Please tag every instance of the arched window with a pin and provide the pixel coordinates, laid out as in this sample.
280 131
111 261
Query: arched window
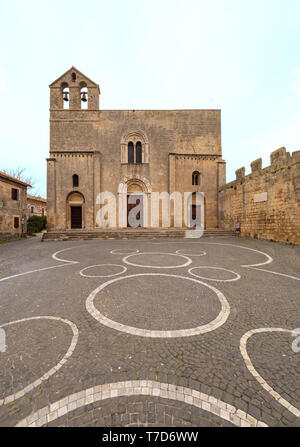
196 178
130 152
135 148
138 149
65 95
75 180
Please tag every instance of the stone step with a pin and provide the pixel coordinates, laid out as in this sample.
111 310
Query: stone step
141 233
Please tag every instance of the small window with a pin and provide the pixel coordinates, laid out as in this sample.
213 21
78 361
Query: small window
75 181
14 194
43 211
16 222
32 209
130 152
138 148
196 178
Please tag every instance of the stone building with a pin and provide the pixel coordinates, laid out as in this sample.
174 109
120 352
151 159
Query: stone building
126 152
36 206
13 205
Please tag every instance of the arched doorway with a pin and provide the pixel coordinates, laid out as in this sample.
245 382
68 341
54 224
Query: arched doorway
135 198
75 210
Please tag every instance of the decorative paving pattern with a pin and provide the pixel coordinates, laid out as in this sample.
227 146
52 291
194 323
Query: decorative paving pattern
31 386
148 255
123 270
237 276
127 375
217 322
259 378
145 388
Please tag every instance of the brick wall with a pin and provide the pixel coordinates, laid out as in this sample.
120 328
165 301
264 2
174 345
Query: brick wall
265 202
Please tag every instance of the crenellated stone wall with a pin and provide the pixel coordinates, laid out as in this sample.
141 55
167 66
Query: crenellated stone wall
267 201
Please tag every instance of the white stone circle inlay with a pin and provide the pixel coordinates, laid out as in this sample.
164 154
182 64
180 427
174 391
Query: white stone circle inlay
103 276
237 276
161 390
128 251
256 375
201 253
217 322
188 261
21 393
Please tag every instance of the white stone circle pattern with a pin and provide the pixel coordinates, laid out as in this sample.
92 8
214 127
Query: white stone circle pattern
201 253
217 322
236 278
146 387
102 276
129 251
188 260
31 386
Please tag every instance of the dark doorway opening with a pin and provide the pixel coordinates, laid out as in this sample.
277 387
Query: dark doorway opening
137 200
76 217
195 216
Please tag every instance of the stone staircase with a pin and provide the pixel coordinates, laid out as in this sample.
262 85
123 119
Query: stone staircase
130 233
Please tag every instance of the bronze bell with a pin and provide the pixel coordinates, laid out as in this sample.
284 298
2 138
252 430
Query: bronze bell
83 97
66 98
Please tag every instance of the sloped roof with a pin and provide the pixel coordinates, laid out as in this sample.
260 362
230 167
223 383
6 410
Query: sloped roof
40 199
76 71
13 179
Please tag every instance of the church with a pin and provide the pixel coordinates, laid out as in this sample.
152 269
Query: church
129 153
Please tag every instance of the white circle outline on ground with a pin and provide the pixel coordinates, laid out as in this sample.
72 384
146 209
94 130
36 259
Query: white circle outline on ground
203 253
256 375
215 268
217 322
126 249
102 276
189 261
31 386
140 388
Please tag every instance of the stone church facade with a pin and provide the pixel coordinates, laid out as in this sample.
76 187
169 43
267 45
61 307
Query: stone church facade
125 152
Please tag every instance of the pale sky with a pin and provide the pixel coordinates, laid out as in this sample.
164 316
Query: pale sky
242 56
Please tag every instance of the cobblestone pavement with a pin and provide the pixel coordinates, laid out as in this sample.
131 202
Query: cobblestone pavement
150 333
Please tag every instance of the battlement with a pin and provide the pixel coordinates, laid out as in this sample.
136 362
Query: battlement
279 159
266 202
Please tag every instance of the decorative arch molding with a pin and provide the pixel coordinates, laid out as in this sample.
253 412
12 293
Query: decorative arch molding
143 182
75 197
134 136
137 134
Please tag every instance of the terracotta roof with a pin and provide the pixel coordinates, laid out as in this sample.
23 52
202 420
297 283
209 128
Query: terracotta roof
13 179
40 199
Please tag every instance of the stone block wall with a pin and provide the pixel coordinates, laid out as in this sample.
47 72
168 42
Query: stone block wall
265 202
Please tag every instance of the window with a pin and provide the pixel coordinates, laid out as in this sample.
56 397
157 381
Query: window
16 222
75 181
43 211
138 148
14 194
32 209
130 152
196 178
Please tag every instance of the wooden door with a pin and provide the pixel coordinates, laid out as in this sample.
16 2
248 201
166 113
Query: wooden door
76 217
138 200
